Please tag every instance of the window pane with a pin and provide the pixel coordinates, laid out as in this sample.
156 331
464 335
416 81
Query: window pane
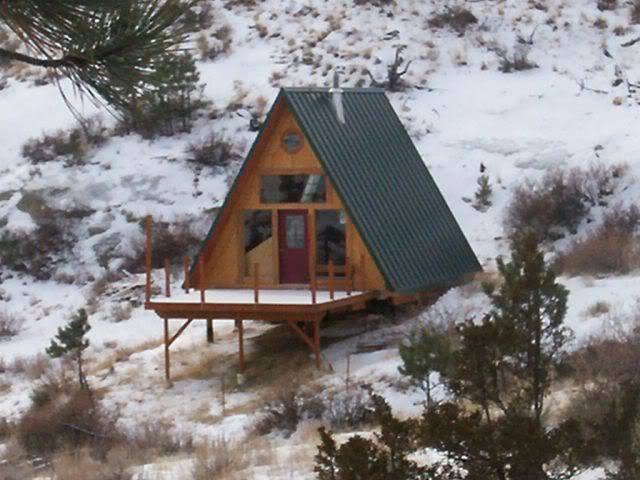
295 231
292 189
330 237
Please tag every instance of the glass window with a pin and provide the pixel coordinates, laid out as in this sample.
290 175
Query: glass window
292 189
258 242
330 237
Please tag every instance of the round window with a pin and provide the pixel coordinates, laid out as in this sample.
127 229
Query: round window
292 141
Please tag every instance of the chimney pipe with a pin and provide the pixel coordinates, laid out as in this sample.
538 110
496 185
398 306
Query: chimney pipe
336 97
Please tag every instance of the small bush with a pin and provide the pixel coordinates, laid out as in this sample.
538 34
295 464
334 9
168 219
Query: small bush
560 200
10 325
213 152
159 438
483 194
458 18
72 147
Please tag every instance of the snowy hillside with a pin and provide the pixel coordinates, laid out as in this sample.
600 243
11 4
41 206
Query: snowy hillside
577 108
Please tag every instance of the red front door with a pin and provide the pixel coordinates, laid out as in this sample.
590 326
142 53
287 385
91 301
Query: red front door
294 246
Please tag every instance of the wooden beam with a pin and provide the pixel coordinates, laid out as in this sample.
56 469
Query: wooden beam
331 280
362 273
301 334
147 251
256 283
240 344
209 330
167 361
201 278
349 276
180 330
167 278
187 280
316 341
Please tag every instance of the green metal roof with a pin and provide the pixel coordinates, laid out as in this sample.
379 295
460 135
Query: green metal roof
385 187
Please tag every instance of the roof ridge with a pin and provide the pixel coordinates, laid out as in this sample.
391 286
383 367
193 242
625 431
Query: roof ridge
327 89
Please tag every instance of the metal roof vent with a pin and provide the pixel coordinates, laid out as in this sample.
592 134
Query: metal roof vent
336 97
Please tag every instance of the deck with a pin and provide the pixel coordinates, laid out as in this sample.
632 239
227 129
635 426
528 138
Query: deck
269 305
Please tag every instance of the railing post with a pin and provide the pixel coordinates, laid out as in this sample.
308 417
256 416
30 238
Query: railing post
147 248
167 278
187 283
201 278
256 282
362 273
348 276
312 278
331 280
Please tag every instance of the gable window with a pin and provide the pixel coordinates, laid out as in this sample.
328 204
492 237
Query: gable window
293 189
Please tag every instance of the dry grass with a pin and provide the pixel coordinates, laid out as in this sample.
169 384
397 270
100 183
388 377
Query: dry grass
32 367
107 359
10 325
220 459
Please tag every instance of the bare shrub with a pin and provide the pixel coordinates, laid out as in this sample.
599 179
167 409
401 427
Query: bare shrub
214 152
612 248
10 325
73 146
33 367
82 466
172 241
560 200
217 459
72 421
159 438
607 4
515 62
349 408
458 18
635 12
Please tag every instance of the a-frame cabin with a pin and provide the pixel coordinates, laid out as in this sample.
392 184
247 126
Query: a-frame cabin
332 208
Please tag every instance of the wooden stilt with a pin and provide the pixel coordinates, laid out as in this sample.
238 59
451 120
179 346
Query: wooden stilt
167 360
201 278
331 280
209 330
256 283
147 248
187 283
316 341
240 344
167 278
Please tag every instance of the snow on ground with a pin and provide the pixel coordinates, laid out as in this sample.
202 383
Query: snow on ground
466 112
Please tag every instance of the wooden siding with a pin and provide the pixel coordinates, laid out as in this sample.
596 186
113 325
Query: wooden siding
224 255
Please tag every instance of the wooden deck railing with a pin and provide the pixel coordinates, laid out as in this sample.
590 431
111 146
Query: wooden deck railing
335 273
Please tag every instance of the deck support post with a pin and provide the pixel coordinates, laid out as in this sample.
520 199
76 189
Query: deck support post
316 341
240 328
209 330
147 252
167 278
331 280
201 278
167 360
